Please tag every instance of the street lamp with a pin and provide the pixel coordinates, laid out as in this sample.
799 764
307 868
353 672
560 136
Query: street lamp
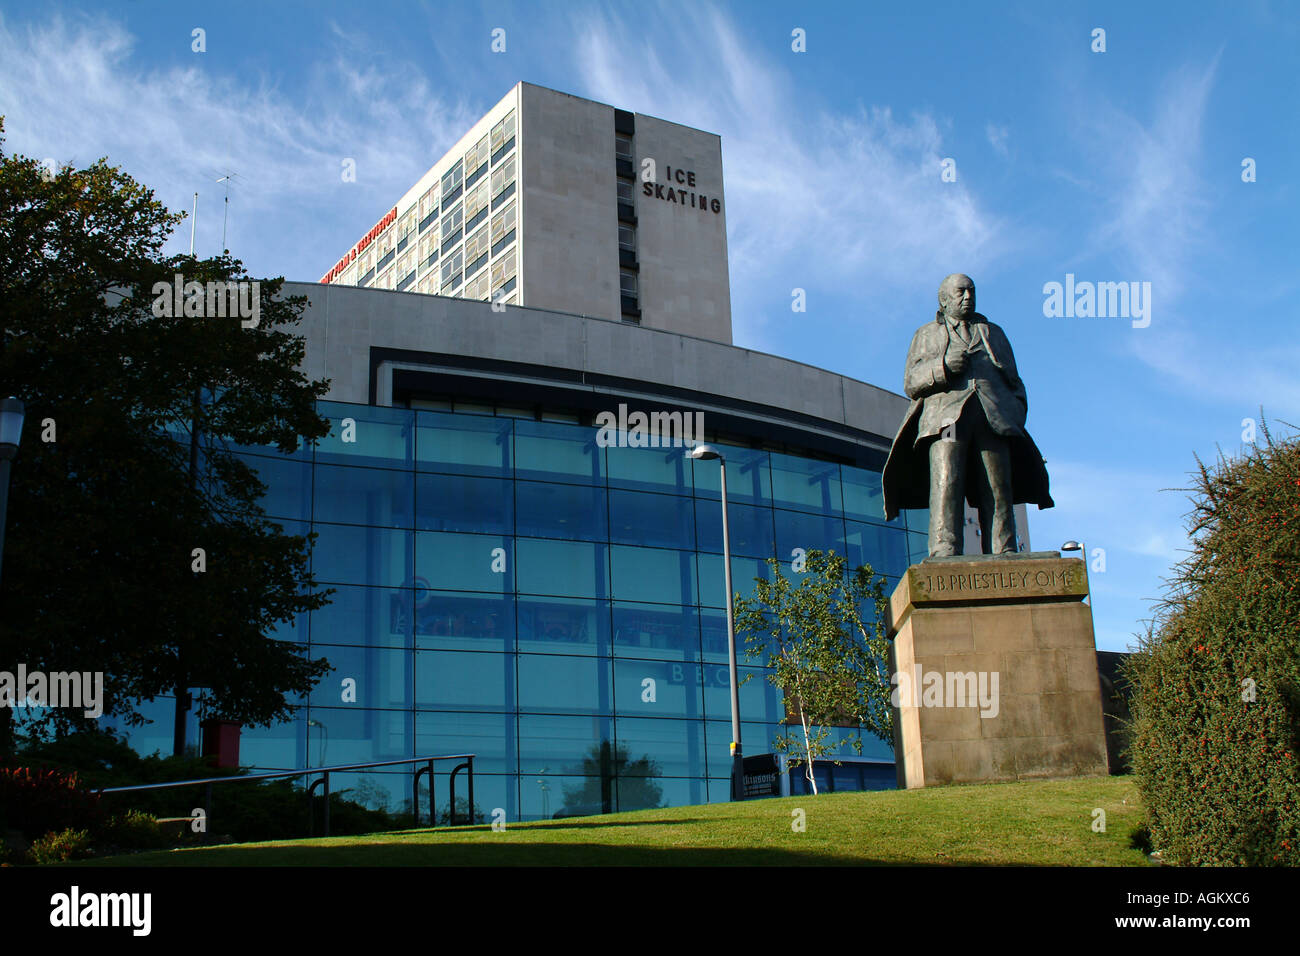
11 433
544 789
708 453
1083 553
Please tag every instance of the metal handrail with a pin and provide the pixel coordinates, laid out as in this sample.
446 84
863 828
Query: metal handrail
325 780
470 765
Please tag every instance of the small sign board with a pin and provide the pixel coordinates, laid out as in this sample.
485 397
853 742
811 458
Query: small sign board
762 774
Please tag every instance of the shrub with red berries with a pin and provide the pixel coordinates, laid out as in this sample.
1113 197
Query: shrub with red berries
1216 725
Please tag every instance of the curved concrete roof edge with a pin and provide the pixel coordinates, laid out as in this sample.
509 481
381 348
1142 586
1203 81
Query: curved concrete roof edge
343 323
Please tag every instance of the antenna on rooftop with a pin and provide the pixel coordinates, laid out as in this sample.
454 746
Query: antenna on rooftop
225 215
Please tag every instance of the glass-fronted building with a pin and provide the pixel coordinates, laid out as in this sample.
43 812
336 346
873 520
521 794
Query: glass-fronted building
505 584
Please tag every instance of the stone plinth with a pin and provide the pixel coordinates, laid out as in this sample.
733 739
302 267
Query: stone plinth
995 671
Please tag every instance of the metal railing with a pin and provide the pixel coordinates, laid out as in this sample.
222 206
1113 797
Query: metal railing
325 772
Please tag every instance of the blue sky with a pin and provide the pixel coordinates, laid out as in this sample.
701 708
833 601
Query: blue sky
1123 165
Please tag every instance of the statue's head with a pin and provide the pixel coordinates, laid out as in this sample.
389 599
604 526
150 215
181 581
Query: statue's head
957 296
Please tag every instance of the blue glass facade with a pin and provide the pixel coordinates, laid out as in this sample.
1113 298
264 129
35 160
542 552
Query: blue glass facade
506 587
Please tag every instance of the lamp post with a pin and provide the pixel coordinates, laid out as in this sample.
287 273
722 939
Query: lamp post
1083 553
11 433
544 789
708 453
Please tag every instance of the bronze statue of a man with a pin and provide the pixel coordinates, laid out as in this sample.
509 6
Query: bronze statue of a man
964 433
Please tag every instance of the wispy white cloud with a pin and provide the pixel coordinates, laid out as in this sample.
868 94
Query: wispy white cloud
1118 507
852 200
74 89
997 137
1155 209
1224 363
1155 222
1135 515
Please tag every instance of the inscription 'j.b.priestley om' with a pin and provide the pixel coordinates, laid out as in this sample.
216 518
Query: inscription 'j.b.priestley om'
999 580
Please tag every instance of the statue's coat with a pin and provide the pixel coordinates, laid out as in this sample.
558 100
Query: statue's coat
939 397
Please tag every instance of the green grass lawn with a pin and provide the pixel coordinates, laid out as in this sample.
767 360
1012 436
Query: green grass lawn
1047 823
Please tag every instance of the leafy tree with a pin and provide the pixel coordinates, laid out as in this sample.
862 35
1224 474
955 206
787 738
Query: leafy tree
462 814
830 662
125 466
1216 725
600 768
